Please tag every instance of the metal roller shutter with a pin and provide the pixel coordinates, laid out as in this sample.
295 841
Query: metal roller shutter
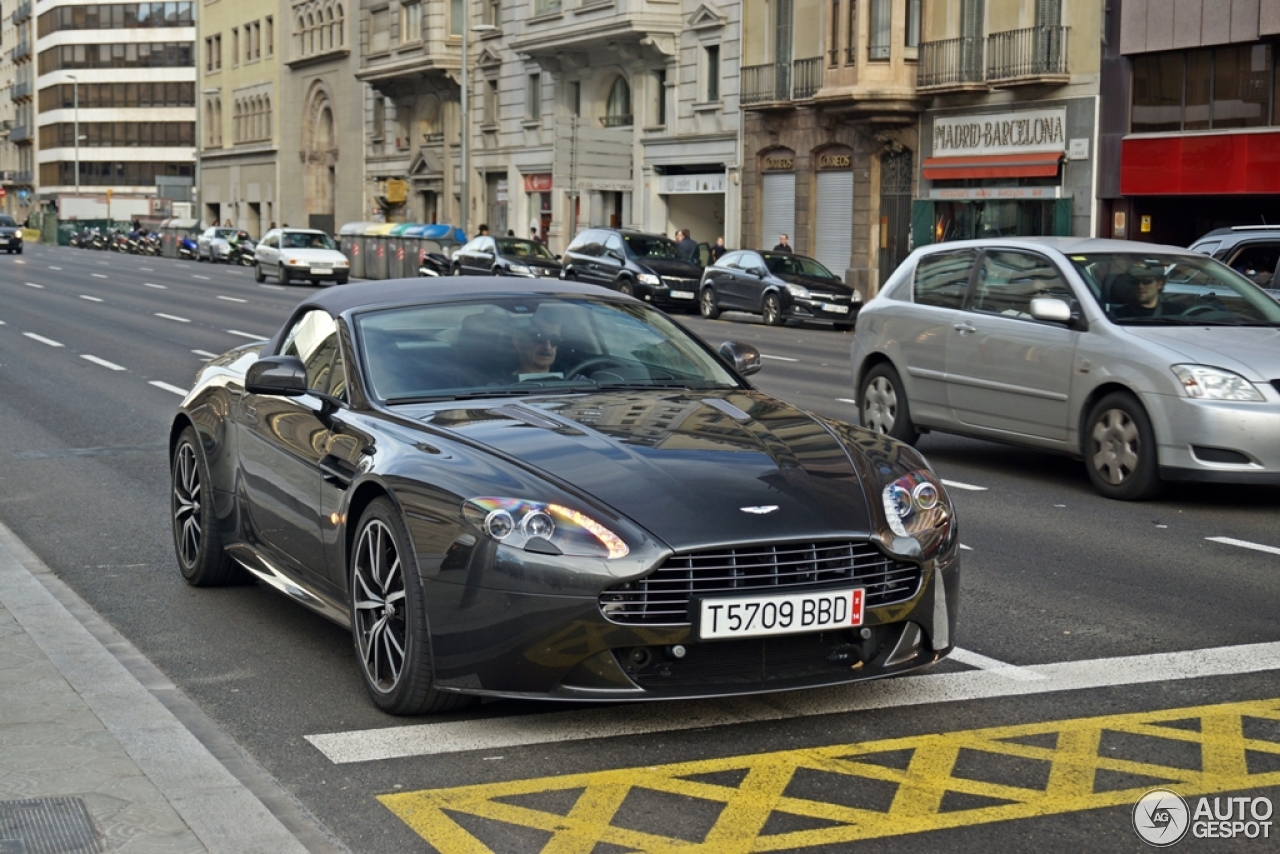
833 229
778 208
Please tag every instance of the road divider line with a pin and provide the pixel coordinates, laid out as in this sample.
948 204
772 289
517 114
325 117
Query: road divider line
931 688
965 548
205 353
272 287
172 317
167 387
91 299
847 400
982 662
59 269
232 299
103 362
202 278
157 287
778 358
249 335
34 285
146 269
42 339
99 275
969 487
1244 544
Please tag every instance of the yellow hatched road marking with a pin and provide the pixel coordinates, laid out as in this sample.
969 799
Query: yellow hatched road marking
1030 770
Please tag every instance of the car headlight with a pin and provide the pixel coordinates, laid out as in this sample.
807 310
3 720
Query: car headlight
1205 383
648 279
343 263
520 270
919 514
542 528
798 291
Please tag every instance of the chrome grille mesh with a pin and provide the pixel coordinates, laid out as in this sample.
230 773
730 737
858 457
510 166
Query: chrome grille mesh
662 598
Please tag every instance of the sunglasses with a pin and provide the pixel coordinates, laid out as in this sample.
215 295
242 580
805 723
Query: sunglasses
541 337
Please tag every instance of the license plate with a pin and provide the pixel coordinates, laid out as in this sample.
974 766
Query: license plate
321 271
779 614
835 308
682 294
4 240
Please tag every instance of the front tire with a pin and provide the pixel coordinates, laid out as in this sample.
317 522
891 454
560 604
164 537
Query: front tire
258 275
771 311
883 407
1120 449
707 305
195 536
625 288
282 275
388 618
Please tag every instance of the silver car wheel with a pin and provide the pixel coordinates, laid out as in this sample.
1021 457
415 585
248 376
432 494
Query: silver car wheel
1116 440
186 504
880 406
379 605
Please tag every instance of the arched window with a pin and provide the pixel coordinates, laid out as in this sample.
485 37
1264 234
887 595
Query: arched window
266 116
209 134
217 121
300 36
237 132
311 33
618 109
341 29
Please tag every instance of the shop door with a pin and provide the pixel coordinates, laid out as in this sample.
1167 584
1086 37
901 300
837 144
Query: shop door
895 211
778 208
833 230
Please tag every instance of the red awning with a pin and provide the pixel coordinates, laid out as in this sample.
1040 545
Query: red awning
1041 164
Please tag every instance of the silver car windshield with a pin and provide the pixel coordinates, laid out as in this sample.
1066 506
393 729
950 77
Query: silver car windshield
1152 288
516 346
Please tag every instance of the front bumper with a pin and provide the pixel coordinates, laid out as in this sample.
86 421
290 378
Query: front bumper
671 292
10 241
1217 441
332 274
833 310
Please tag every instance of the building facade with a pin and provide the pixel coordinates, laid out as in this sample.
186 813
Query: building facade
240 128
121 77
17 117
1192 118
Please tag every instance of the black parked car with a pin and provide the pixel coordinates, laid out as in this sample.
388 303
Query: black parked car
10 235
551 490
1252 250
648 266
505 256
779 286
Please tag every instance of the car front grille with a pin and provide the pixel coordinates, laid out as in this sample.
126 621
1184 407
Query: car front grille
678 283
662 598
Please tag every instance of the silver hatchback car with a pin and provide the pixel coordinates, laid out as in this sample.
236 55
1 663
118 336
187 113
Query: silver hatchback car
1152 363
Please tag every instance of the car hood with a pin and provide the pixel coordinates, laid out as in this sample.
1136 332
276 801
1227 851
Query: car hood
813 283
315 256
668 267
1252 352
694 469
10 230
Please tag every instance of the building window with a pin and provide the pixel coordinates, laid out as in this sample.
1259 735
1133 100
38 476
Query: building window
457 12
911 36
1241 86
235 46
575 98
835 32
493 13
410 23
1204 89
618 107
881 18
712 52
660 97
269 35
491 102
380 30
851 33
379 119
534 98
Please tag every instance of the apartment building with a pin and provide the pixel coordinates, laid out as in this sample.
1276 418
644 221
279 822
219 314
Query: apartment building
121 77
1009 141
1191 118
17 125
240 127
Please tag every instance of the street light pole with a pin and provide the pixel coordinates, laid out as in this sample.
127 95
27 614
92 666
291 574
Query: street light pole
465 110
75 126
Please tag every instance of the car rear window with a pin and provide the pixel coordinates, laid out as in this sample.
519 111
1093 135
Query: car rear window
942 278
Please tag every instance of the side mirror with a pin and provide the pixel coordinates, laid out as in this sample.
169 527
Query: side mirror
759 273
614 254
1050 309
744 358
282 375
557 257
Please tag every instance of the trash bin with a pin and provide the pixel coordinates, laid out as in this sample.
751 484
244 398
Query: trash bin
401 262
374 244
350 242
171 231
439 237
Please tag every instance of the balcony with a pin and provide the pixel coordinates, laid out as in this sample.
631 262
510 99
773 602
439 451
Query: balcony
24 177
1031 56
20 92
21 52
618 121
20 134
781 82
22 12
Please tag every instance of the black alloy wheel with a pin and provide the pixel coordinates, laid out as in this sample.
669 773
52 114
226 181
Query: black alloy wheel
883 407
1120 449
388 618
625 288
195 539
707 304
772 310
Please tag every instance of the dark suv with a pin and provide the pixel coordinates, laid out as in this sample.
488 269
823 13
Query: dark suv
1251 250
648 266
10 235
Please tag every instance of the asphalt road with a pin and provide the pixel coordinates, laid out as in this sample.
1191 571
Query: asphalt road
95 349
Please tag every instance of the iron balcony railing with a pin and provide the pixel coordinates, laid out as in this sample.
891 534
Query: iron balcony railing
619 121
950 62
1032 52
806 78
22 51
20 133
22 12
797 80
24 177
18 91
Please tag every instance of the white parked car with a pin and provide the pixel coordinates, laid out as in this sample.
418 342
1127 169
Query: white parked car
300 254
214 244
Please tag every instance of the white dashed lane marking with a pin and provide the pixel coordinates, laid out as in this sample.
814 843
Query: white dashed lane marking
1244 544
954 484
272 287
233 299
42 339
90 299
847 400
56 268
157 287
99 275
172 317
203 278
249 335
778 358
205 353
34 285
167 387
103 362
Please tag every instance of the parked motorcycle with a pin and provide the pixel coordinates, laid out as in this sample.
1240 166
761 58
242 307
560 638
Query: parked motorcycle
433 264
188 249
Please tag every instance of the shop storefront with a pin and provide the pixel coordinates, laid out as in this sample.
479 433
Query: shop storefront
777 197
695 200
833 209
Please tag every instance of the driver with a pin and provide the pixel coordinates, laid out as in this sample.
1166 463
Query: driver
536 345
1143 300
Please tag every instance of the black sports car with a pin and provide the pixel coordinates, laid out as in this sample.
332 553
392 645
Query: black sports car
552 490
10 235
779 286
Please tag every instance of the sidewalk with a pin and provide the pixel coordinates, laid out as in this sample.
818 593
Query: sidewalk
99 751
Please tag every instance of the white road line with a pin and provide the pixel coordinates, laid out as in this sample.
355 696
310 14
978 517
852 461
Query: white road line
635 719
272 287
969 486
90 299
34 285
777 358
847 400
205 278
205 353
42 339
965 548
1009 671
157 287
1244 544
167 387
59 269
112 365
99 275
172 317
233 299
1 323
146 269
247 335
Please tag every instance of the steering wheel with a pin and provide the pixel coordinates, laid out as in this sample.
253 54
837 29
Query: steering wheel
580 370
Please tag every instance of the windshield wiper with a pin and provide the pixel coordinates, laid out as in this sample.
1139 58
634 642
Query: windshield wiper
639 386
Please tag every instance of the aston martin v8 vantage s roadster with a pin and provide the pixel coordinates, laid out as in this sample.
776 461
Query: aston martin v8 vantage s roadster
550 490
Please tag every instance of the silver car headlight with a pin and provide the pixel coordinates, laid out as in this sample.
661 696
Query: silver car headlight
1206 383
520 270
542 527
798 291
919 514
648 279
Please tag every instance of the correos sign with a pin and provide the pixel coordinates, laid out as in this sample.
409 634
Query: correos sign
1000 133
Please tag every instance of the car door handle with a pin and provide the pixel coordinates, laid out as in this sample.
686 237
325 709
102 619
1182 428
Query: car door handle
964 326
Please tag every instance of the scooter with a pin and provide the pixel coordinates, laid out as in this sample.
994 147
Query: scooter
433 264
188 249
242 253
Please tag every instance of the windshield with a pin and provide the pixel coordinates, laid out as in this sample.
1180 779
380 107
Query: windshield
522 345
305 240
524 249
784 264
6 221
224 232
652 247
1172 290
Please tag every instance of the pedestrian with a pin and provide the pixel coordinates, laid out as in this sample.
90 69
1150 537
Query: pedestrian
484 229
511 232
534 235
227 223
718 251
688 246
783 245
